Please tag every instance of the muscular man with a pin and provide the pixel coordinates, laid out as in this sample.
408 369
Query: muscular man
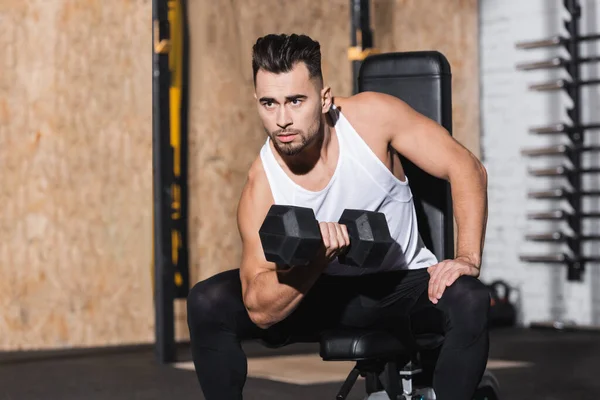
330 154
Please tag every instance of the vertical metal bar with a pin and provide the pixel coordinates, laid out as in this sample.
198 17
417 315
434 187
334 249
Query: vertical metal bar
162 161
354 12
361 35
182 292
366 36
178 134
575 270
354 40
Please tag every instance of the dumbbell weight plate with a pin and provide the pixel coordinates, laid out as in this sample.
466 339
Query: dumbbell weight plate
290 235
370 238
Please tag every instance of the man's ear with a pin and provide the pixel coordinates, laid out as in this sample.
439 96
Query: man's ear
326 99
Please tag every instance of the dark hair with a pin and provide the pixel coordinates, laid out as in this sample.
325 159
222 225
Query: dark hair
279 54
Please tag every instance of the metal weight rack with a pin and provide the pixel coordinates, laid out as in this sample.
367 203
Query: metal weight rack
575 131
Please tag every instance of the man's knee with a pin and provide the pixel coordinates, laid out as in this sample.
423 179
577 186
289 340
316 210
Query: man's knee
469 293
467 302
199 302
210 301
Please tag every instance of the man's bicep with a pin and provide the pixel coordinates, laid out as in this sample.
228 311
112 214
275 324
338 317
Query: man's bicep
253 262
253 257
252 210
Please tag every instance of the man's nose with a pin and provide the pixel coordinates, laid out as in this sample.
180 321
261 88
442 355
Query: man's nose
284 119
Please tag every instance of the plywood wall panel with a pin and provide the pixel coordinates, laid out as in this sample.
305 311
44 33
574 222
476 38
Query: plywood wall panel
75 145
75 156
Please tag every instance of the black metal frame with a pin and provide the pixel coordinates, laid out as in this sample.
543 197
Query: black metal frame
170 221
361 36
164 287
179 213
575 132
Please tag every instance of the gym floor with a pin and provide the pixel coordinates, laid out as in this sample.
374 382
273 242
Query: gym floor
529 364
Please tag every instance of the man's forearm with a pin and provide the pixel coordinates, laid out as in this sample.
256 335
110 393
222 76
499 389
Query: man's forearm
273 295
469 194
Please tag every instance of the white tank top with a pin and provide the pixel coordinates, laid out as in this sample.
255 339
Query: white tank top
360 181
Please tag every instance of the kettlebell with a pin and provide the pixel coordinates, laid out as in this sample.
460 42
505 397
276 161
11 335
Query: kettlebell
502 311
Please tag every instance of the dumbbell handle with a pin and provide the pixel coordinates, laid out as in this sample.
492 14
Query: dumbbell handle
352 233
349 216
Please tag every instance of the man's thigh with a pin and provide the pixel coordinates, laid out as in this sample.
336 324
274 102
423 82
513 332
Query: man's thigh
387 300
319 310
382 300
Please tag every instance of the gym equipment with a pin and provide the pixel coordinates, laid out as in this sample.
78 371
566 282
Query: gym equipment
563 84
502 311
361 37
559 150
397 368
290 235
169 166
556 62
161 159
560 215
561 193
571 174
571 240
575 133
559 258
562 128
557 40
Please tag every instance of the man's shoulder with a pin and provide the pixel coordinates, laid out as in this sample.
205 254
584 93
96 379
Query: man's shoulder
367 99
256 174
372 114
256 195
257 184
370 107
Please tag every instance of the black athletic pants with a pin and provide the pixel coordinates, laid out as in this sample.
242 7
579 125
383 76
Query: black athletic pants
218 322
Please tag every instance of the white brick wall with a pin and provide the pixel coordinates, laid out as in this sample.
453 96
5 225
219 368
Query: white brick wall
508 110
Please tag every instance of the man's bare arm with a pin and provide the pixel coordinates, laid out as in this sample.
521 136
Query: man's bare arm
270 295
429 146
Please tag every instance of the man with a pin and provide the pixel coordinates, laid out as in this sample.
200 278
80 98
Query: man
331 154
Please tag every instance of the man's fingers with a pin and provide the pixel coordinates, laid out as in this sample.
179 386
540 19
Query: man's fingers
325 234
340 235
435 276
443 281
431 271
452 278
329 236
440 281
340 241
430 290
444 274
345 235
433 279
448 277
333 236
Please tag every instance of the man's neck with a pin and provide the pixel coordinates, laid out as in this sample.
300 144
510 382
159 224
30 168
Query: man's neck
315 153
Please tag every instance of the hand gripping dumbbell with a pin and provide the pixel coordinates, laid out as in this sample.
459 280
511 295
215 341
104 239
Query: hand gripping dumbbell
291 236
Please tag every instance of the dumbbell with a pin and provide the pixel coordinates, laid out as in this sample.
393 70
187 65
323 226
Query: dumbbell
291 235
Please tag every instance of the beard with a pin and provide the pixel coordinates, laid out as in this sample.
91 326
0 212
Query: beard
300 142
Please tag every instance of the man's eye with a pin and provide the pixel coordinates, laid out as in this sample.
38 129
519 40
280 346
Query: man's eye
296 102
268 104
